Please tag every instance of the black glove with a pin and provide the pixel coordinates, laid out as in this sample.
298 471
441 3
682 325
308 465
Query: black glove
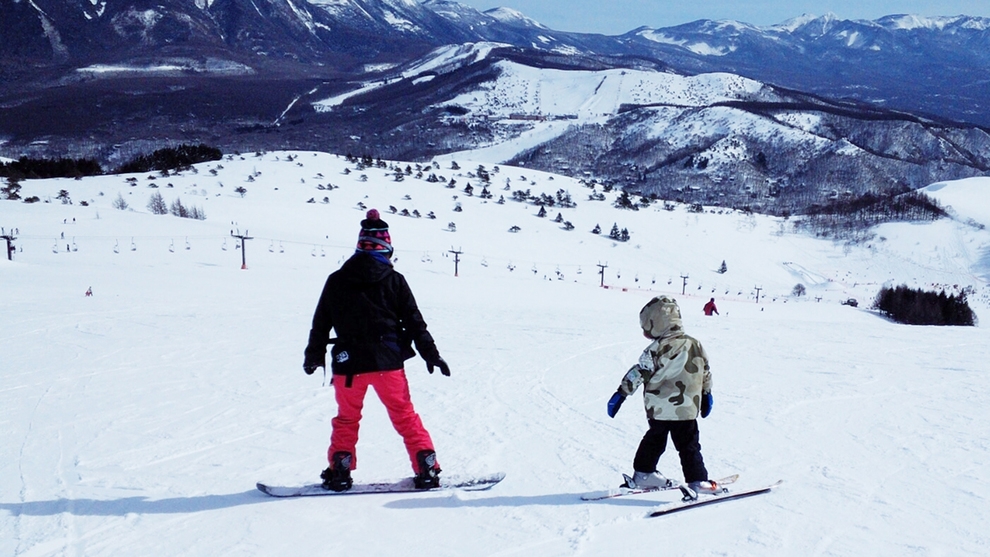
310 365
438 362
707 401
310 369
615 403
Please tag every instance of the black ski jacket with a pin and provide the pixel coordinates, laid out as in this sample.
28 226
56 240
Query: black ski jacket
372 310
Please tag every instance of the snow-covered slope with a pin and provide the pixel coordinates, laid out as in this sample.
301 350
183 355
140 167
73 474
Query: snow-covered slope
137 421
966 199
530 91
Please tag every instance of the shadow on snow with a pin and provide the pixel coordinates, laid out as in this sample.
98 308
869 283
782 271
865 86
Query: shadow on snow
554 500
134 505
185 505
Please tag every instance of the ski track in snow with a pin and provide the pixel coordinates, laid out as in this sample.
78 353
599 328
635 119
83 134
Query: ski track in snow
138 420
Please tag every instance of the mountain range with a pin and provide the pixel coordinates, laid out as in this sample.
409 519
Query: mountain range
821 105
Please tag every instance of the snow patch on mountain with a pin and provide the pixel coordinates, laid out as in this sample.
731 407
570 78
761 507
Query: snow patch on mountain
400 22
305 17
586 94
909 22
440 60
793 24
169 67
512 17
450 57
807 121
343 8
967 198
697 47
329 103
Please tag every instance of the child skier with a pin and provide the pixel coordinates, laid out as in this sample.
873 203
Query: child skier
677 387
374 314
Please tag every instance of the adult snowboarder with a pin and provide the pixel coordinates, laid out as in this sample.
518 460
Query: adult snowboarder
710 308
372 310
677 385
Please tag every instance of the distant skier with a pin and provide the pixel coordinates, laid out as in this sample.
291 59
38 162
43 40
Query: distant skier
372 310
710 308
677 387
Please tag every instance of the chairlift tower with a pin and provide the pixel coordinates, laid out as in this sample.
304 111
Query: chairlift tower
243 238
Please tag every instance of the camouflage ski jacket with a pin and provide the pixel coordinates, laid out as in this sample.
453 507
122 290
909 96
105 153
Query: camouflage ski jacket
674 373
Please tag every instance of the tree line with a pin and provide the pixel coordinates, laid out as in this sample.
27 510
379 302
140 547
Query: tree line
852 216
918 307
169 158
26 168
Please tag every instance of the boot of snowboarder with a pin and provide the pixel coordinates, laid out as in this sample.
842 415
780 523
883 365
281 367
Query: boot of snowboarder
677 384
428 476
338 476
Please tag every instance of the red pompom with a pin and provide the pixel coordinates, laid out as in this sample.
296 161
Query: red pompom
373 214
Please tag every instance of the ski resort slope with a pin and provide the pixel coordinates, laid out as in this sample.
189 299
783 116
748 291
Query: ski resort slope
585 94
136 421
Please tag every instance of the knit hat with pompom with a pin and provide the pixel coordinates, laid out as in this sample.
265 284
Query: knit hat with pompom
374 237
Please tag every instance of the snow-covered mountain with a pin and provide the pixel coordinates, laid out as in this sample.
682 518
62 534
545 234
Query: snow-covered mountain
709 138
938 66
852 105
136 421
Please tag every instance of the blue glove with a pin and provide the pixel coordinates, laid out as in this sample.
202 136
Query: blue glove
707 401
615 403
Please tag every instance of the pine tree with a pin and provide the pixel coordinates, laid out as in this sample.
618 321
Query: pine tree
178 209
157 204
120 203
12 190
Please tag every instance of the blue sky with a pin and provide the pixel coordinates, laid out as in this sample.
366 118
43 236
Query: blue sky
615 17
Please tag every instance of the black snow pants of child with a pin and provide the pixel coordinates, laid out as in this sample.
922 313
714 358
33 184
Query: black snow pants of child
686 440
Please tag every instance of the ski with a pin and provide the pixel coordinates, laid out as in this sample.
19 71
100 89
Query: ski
404 485
623 491
702 500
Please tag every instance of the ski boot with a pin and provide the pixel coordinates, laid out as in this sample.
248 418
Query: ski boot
338 476
429 471
648 480
707 487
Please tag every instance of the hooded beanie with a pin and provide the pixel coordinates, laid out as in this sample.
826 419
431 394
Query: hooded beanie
374 237
661 317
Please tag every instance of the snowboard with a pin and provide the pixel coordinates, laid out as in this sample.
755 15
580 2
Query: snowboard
623 491
687 502
404 485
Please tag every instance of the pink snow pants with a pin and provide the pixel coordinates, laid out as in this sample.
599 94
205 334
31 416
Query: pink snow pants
393 390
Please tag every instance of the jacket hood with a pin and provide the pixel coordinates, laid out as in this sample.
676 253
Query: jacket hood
661 318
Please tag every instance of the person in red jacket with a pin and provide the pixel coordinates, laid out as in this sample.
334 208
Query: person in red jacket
710 308
372 310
